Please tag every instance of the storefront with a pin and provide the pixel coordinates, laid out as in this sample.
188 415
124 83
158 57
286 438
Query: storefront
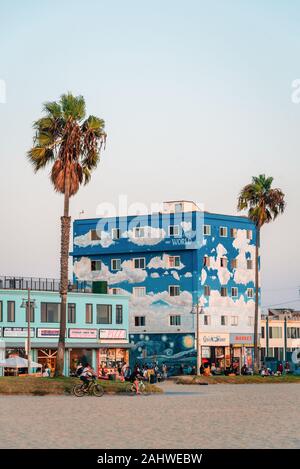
242 350
215 349
114 349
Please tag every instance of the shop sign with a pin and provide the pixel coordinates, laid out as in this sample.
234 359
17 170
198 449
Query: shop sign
113 334
47 333
82 333
17 332
214 340
205 352
241 339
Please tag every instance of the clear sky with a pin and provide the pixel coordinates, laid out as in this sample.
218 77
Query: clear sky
196 96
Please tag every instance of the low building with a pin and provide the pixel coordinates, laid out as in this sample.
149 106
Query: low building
97 324
280 333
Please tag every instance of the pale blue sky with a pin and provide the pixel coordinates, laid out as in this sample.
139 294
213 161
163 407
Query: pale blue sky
197 99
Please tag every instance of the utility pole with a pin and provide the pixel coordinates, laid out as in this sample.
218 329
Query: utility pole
197 310
29 332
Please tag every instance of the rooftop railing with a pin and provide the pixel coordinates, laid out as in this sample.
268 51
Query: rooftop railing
41 284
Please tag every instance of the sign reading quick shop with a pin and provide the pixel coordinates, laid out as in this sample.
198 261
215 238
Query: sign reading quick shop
212 340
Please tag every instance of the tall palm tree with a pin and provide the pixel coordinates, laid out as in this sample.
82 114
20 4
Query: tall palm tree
71 143
264 204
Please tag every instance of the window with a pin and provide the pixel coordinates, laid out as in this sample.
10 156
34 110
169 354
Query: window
104 314
11 310
89 313
262 332
250 292
139 291
50 312
139 232
175 320
206 261
293 332
206 290
95 236
119 314
173 230
71 313
223 261
139 321
31 313
234 320
223 320
206 320
249 264
115 291
275 332
223 291
250 321
234 292
223 231
233 232
116 233
207 230
174 261
116 264
174 290
178 207
234 263
95 266
1 311
139 263
249 234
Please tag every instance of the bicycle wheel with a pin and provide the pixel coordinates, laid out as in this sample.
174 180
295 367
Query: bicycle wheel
130 389
78 390
143 390
98 390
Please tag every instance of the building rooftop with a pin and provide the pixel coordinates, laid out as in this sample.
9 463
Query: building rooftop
41 284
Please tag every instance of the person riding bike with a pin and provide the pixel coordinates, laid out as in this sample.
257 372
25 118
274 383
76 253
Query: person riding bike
87 375
135 377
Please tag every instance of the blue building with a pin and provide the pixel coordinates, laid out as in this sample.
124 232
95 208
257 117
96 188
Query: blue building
168 262
97 324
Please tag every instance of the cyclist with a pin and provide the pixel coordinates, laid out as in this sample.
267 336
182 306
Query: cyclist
136 375
87 376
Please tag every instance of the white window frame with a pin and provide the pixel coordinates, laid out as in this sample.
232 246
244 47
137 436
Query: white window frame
139 229
139 259
175 316
208 228
115 291
174 234
226 320
174 286
226 231
208 320
250 289
249 260
98 238
224 288
115 230
234 321
204 290
111 264
96 260
249 234
206 261
180 205
174 258
237 292
136 289
225 260
236 263
140 325
233 233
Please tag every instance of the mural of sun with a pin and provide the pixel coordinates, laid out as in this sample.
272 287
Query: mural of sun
188 341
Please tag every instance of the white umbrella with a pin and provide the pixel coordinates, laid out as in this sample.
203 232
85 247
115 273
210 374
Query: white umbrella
18 362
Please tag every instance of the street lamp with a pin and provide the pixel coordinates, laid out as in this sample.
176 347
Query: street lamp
198 309
29 305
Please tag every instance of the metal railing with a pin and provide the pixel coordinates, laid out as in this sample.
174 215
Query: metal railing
41 284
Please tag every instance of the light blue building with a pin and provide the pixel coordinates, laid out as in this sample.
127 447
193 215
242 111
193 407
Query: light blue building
97 324
168 262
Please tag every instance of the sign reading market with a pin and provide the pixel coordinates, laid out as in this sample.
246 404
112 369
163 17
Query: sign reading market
83 334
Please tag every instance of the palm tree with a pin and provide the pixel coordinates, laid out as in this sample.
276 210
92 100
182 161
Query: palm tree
71 143
264 204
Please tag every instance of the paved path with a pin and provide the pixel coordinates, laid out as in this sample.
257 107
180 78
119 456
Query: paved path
214 416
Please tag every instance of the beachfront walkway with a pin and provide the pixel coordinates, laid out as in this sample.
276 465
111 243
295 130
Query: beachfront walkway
214 416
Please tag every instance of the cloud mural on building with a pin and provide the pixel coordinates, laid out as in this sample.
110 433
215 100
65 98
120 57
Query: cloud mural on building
152 236
83 272
86 240
162 262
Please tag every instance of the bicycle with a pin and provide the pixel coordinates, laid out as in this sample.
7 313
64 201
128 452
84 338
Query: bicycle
142 389
80 390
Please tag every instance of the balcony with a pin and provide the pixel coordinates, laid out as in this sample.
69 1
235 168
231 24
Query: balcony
41 284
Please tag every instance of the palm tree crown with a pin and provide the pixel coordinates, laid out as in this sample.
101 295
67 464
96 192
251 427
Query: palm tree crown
264 203
70 141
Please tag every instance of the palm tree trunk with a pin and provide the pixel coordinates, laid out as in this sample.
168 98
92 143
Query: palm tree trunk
64 279
256 351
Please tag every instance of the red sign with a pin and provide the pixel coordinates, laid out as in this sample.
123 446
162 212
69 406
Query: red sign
113 334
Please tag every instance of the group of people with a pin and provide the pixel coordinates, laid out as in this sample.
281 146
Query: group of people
281 369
